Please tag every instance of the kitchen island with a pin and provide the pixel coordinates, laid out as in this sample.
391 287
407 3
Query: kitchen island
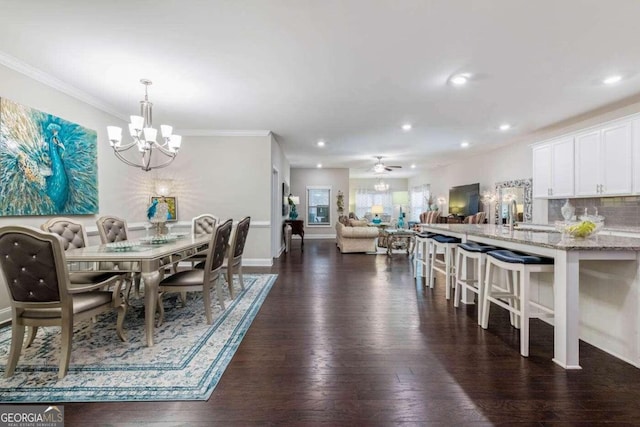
567 254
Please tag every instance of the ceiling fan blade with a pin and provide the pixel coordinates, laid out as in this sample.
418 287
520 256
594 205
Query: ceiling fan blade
387 169
389 166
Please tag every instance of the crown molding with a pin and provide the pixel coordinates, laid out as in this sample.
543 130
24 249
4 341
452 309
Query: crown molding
214 132
57 84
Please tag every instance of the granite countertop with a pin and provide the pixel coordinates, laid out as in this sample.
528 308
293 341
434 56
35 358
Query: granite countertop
614 228
544 238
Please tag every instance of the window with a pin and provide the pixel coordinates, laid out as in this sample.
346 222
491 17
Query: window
365 198
419 198
319 206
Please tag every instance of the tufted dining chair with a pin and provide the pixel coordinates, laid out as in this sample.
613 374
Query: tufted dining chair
202 224
113 229
201 280
35 271
73 235
236 249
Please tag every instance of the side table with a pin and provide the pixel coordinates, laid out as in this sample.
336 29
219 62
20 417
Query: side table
297 227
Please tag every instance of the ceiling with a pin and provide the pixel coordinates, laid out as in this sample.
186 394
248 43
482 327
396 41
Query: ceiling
349 72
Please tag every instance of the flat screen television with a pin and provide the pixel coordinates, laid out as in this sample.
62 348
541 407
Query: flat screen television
464 200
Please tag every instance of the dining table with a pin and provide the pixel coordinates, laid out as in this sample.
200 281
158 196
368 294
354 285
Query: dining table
147 256
566 253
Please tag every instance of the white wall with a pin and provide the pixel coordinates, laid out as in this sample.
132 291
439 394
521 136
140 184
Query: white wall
337 179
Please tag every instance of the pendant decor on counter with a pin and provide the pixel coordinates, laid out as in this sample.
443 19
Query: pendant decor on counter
568 210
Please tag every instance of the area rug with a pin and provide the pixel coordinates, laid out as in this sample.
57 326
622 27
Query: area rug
186 362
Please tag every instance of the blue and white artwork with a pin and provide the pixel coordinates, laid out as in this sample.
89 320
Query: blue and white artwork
48 165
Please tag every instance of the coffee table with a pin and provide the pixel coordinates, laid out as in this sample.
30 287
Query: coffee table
399 239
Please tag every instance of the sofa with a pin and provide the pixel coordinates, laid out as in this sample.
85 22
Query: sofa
356 237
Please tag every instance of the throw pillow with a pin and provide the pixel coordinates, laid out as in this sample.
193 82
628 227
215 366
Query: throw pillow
358 223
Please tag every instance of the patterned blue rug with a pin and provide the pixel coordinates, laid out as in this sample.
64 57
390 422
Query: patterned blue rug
186 362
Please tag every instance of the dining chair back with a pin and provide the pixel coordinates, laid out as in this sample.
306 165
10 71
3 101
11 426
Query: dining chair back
204 224
35 272
201 279
72 234
112 229
236 249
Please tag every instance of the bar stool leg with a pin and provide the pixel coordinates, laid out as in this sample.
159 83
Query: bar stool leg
480 277
524 323
461 265
447 269
432 254
487 293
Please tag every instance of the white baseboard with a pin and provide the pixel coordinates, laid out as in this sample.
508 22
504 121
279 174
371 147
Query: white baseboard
317 236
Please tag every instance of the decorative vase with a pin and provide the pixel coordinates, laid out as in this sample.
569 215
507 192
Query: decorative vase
293 213
567 210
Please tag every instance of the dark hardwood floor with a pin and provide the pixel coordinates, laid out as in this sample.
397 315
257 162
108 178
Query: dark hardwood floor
353 340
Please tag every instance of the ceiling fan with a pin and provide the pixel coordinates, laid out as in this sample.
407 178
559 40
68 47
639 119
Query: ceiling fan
381 167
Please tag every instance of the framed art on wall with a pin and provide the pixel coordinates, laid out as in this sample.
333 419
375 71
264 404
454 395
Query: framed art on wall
172 206
48 165
285 203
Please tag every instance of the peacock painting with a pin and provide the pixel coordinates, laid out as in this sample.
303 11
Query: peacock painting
48 165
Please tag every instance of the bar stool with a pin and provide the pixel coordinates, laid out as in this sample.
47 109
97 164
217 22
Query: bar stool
477 253
516 297
448 246
421 255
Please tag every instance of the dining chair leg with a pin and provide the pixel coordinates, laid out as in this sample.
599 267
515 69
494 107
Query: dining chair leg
66 341
206 298
17 337
219 291
160 306
240 277
230 279
31 335
122 312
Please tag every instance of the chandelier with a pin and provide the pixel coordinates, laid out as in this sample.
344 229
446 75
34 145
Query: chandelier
144 138
381 186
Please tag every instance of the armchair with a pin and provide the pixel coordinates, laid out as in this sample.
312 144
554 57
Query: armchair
35 271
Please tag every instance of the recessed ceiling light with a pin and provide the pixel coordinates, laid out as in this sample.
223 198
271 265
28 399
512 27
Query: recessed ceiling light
413 166
406 127
464 144
612 80
460 79
320 143
319 165
505 126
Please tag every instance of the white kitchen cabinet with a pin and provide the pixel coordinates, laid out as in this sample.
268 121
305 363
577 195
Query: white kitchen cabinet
603 161
553 171
635 135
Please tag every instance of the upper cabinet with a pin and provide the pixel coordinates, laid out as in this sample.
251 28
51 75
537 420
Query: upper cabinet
553 169
603 161
635 137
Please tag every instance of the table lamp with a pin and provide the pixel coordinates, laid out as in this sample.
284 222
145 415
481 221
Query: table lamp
293 201
376 210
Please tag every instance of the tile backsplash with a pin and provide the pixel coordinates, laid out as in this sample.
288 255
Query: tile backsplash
617 211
